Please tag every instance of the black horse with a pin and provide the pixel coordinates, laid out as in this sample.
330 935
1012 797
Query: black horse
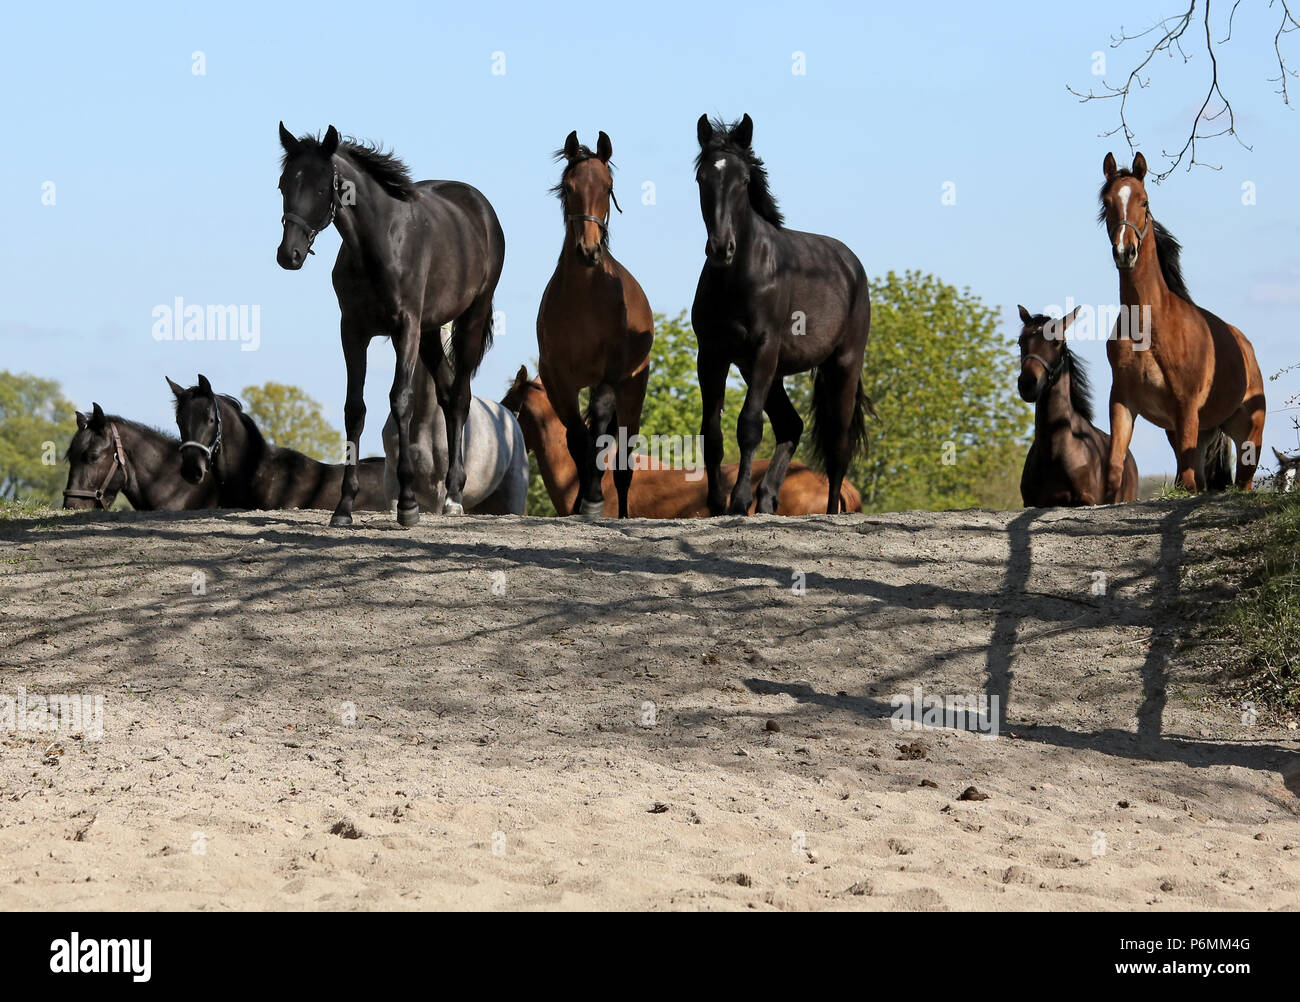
218 438
109 455
414 256
774 302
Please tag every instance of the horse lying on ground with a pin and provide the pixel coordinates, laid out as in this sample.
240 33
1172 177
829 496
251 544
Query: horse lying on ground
109 455
655 492
496 459
218 438
1066 465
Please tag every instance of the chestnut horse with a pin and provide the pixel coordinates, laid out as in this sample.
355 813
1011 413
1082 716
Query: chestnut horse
774 302
594 327
1066 465
656 492
1190 373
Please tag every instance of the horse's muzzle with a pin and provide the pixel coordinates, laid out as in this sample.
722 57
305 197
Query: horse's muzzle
720 253
1027 385
289 258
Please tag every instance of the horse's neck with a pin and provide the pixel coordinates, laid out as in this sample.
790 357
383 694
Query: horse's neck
238 460
358 220
559 473
1054 411
151 460
1144 284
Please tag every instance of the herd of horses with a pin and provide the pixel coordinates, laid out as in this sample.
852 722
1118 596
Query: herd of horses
420 262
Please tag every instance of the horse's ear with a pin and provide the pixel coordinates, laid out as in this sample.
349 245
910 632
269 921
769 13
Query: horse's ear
1025 315
1109 166
704 131
571 144
82 422
287 140
604 148
331 141
1280 457
521 376
177 389
743 134
97 418
204 386
1139 167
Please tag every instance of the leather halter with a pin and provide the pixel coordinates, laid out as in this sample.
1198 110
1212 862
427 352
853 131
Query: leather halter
1053 371
310 229
210 451
119 462
602 223
1141 234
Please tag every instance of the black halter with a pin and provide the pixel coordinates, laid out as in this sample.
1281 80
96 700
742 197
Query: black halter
119 462
311 230
1053 371
210 451
602 223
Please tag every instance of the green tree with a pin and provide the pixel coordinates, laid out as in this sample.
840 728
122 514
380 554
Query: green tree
36 424
291 419
952 432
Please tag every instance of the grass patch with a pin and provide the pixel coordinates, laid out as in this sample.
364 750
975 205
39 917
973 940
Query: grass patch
1258 622
10 509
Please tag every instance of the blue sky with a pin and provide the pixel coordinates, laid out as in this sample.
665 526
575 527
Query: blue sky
165 180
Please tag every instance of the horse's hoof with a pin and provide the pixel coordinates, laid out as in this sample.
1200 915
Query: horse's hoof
338 521
591 509
450 507
408 517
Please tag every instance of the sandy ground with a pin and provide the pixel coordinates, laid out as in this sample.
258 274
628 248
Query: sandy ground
526 713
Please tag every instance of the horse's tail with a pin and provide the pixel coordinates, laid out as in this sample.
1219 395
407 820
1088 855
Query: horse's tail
455 341
826 429
850 496
1218 463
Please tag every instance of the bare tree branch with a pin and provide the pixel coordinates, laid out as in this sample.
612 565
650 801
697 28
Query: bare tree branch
1170 34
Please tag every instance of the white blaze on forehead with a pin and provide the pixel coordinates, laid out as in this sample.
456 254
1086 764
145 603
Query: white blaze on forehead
721 163
1124 194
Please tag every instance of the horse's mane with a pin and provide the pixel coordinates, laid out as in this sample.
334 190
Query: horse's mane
557 189
761 199
1080 384
1168 249
387 170
146 430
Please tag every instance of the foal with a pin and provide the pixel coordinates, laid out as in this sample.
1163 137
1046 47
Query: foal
1066 465
109 455
249 472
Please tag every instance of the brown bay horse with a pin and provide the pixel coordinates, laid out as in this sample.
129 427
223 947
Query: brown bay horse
594 327
656 492
1066 465
1190 373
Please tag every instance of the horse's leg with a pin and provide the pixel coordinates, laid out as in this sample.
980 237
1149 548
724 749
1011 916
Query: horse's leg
749 426
406 345
1121 434
469 336
712 370
843 382
628 401
564 399
787 426
600 414
355 343
1185 439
